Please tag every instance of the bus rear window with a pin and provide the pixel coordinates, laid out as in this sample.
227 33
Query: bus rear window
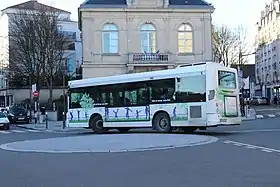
227 79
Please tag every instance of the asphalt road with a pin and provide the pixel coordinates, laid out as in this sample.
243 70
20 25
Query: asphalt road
244 156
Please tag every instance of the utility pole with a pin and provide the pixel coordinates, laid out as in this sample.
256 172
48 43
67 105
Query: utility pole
30 97
6 90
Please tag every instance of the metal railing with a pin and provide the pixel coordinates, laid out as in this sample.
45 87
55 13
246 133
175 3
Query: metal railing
147 58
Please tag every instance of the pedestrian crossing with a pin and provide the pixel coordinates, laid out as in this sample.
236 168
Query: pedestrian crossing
3 132
265 116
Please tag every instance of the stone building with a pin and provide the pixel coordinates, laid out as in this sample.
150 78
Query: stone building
267 58
126 36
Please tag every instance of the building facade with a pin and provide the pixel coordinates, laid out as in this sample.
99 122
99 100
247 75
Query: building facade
143 35
267 57
73 53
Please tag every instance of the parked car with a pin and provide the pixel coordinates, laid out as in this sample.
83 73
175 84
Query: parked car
4 121
18 114
258 100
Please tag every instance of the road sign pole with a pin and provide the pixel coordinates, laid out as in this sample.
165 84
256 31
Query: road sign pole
36 96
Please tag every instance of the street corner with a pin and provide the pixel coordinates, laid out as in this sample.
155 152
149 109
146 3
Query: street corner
109 143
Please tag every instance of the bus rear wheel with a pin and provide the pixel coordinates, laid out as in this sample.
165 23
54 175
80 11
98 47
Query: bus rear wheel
96 125
162 123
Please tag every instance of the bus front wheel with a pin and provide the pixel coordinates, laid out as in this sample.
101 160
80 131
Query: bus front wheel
161 123
96 125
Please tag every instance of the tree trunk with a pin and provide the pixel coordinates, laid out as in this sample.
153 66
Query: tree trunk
51 91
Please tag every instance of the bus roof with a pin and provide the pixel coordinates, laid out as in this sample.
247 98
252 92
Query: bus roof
134 77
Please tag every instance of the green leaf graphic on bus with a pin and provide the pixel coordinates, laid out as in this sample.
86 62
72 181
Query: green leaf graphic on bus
86 103
76 97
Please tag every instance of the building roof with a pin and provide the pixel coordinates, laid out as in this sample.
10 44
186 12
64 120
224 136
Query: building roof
122 3
105 2
35 5
188 2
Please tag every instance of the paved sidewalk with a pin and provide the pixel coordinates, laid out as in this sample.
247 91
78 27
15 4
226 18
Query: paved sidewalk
251 115
51 126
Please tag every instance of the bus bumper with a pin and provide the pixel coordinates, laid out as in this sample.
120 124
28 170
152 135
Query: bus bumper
224 121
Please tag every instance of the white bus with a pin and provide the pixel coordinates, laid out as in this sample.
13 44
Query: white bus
190 97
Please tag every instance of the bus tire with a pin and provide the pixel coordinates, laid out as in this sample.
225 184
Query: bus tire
162 123
189 130
96 125
123 129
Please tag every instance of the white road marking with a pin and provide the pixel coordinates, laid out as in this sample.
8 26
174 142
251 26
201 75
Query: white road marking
31 130
268 151
18 131
238 144
227 142
268 109
261 130
259 116
5 132
271 115
265 149
251 147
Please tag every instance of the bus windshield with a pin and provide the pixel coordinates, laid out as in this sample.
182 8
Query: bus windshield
227 79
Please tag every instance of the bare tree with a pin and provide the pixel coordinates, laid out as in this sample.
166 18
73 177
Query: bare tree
244 49
36 48
224 44
230 46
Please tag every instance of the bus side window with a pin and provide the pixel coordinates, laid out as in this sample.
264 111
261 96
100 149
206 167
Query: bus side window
162 90
143 96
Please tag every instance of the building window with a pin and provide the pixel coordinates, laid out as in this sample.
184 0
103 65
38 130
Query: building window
110 38
188 91
185 39
148 38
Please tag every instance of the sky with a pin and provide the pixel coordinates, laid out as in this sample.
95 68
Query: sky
227 12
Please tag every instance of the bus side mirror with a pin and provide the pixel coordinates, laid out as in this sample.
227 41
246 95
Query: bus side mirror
178 79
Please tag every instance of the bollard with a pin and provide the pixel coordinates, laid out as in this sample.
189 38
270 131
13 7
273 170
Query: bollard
246 111
35 117
46 120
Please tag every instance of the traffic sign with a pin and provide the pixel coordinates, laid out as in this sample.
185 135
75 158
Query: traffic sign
35 93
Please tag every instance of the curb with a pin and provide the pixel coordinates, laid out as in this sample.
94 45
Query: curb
38 129
248 119
23 127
